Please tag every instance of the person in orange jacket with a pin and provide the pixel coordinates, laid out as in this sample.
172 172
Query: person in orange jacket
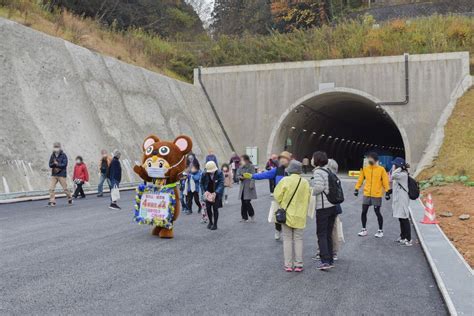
376 182
81 176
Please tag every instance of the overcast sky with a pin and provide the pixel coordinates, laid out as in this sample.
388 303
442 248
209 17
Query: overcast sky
204 9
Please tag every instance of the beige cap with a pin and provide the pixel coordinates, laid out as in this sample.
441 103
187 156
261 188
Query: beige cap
211 167
285 154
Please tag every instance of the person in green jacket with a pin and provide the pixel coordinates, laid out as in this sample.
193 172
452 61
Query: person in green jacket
293 193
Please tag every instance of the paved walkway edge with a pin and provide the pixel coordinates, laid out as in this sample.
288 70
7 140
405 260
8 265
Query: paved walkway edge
452 273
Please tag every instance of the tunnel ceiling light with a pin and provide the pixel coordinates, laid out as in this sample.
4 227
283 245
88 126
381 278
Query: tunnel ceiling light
329 136
304 131
322 135
314 133
343 139
293 128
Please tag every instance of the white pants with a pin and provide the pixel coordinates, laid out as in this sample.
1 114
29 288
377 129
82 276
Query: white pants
292 236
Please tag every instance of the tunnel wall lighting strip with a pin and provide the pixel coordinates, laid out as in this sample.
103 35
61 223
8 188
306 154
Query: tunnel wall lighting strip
350 140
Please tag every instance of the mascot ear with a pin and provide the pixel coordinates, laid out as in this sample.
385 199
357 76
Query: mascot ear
150 140
184 143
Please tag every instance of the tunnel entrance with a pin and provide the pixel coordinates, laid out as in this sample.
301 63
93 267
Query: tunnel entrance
345 125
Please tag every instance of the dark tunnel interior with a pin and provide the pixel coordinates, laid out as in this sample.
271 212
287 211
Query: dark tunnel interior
345 125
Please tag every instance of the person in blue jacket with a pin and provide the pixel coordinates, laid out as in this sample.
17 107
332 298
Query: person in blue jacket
115 176
212 186
212 157
191 189
276 174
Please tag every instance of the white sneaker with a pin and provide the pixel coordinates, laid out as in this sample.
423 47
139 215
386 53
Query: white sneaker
252 219
408 243
402 241
277 235
271 194
379 234
363 232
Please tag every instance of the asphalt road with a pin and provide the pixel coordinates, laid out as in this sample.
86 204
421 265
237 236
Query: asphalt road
87 259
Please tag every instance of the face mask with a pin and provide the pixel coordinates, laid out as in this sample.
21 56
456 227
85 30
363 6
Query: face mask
56 150
78 161
157 173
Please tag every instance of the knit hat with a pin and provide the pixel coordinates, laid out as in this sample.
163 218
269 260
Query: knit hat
399 162
116 153
295 167
285 154
211 166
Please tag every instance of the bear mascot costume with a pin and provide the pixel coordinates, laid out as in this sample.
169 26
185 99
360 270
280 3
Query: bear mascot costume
157 199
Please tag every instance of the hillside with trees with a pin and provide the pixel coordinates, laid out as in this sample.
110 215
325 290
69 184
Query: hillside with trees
167 18
177 58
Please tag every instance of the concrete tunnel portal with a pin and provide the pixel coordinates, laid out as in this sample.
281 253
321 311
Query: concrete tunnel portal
346 125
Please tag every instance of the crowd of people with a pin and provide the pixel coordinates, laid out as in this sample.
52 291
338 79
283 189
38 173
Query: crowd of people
294 197
110 171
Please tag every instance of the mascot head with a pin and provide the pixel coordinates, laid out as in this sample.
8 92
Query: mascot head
164 160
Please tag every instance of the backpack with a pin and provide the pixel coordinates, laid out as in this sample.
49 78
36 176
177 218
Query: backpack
413 188
336 194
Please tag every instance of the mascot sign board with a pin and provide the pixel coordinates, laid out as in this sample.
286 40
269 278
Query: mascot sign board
157 200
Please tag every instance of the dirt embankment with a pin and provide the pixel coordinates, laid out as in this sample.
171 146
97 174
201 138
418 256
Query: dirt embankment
457 199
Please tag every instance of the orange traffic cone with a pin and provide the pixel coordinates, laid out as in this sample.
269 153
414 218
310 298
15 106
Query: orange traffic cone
430 215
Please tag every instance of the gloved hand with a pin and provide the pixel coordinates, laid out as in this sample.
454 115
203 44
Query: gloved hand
247 176
387 195
356 192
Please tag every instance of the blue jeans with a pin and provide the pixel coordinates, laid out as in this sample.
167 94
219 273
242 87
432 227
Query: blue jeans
182 199
100 187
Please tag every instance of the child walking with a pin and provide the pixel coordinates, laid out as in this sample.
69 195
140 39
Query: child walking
81 175
228 179
191 189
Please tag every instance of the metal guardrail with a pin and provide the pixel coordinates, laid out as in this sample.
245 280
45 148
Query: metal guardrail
88 190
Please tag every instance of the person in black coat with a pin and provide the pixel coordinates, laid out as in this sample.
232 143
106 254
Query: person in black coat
115 176
58 165
212 184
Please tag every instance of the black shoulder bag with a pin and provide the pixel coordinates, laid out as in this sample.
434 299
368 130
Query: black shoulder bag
280 214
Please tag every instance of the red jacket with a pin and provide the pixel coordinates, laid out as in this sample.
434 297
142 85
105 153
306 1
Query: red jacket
80 172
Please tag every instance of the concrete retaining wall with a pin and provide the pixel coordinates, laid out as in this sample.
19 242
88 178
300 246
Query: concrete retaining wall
52 90
251 100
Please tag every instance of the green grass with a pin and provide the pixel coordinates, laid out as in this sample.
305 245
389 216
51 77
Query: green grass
456 156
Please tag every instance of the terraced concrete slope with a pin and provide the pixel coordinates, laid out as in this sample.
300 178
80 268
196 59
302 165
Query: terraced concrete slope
52 90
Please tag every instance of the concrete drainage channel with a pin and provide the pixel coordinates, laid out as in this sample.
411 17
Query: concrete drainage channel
44 194
454 276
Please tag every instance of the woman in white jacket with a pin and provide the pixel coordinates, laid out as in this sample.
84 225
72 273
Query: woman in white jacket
325 211
401 200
